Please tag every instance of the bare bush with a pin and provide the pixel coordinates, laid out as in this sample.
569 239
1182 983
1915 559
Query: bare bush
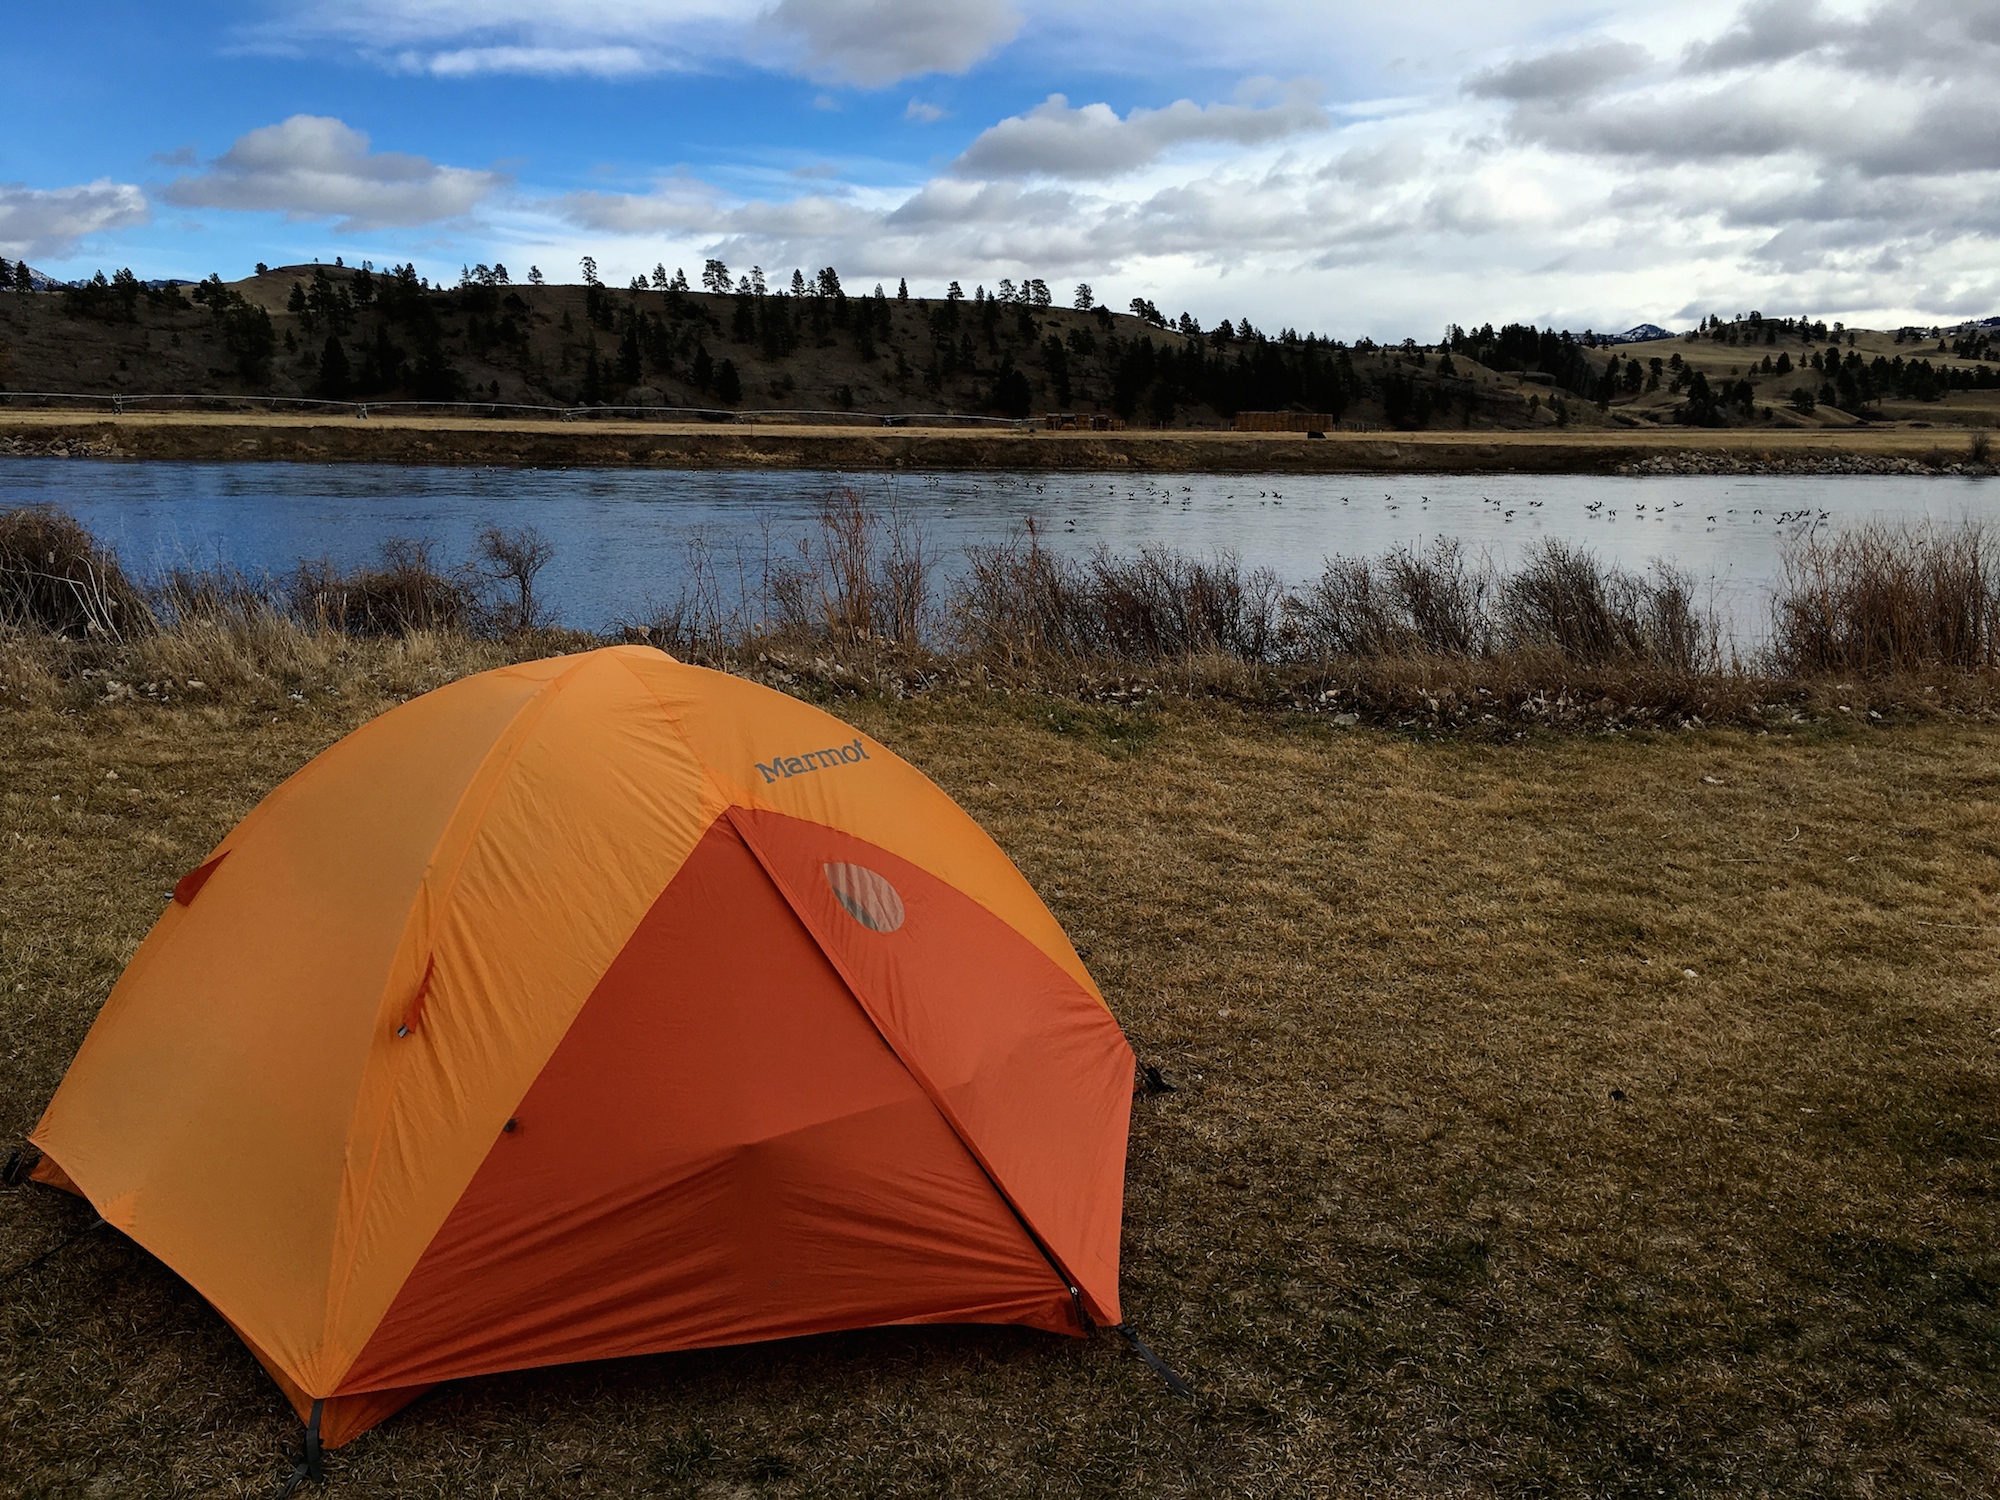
1887 599
1015 601
221 595
514 560
1562 602
57 578
695 623
409 591
858 576
1018 600
1564 599
1409 603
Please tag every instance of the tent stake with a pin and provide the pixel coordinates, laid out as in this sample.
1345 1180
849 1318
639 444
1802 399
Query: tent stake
1154 1363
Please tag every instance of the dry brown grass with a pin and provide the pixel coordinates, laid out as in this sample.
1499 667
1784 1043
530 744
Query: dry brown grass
1468 1187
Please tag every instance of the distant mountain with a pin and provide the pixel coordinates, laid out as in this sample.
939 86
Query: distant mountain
44 283
1645 333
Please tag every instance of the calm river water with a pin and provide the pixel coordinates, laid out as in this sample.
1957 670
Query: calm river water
622 536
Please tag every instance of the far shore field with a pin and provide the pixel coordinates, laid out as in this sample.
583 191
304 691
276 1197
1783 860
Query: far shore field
213 437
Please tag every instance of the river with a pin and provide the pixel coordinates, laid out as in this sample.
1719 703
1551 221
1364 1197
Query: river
622 536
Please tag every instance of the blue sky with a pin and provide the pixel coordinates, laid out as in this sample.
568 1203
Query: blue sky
1356 168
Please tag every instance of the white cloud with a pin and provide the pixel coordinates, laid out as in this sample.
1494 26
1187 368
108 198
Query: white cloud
601 62
1054 140
1782 155
1586 162
50 221
314 167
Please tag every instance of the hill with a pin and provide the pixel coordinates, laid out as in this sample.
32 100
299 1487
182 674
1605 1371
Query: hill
347 333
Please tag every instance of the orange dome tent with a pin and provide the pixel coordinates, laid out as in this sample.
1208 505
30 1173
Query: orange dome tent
601 1006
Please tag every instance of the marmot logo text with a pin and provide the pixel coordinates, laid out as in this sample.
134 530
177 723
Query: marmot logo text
782 766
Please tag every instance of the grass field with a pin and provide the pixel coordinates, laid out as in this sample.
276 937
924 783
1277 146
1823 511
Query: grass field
1608 1116
410 439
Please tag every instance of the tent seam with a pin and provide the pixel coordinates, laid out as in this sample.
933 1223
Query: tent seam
922 1080
1094 989
539 701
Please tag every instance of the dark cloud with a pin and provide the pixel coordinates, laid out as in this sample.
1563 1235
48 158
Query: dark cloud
1935 39
877 42
1562 77
1768 31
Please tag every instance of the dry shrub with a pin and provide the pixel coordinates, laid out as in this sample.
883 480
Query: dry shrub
515 559
1888 598
859 576
56 578
1409 603
1564 599
409 591
697 623
1562 605
1019 600
221 595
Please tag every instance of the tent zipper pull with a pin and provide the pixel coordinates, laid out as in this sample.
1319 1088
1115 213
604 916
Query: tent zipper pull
415 1012
1154 1363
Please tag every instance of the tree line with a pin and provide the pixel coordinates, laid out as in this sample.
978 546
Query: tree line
366 332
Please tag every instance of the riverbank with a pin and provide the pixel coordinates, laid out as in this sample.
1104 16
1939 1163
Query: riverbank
220 437
1582 1116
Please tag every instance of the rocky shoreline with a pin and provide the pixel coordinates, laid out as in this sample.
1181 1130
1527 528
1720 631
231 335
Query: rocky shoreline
1691 464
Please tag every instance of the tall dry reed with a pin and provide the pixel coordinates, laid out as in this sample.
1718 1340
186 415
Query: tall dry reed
57 578
1888 598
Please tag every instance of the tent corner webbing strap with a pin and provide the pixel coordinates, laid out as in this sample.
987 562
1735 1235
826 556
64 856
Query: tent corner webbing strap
310 1463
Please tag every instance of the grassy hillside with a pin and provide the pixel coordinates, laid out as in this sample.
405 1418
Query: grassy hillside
343 333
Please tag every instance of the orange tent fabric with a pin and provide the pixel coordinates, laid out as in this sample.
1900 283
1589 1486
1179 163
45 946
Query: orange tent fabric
601 1006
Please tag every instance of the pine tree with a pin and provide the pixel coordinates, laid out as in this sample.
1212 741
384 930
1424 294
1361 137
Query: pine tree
335 381
728 384
1085 298
903 291
6 272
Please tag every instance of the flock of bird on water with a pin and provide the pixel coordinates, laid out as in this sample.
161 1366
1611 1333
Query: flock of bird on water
1596 509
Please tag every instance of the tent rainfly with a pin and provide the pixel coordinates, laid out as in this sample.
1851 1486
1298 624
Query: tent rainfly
601 1006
